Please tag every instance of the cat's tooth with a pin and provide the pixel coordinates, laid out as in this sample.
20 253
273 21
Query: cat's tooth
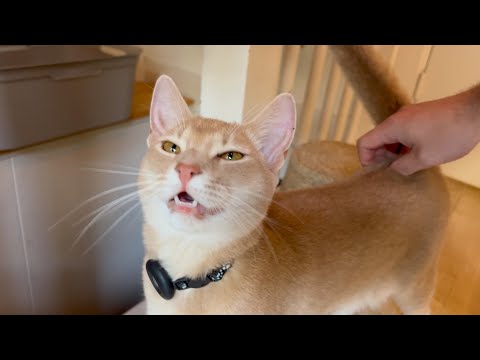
186 204
189 205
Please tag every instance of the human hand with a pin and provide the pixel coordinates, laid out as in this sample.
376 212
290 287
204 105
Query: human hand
434 132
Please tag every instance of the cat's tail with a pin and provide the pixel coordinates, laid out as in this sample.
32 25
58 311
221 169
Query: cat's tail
372 80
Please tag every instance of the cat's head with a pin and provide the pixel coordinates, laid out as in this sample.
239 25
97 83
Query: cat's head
209 176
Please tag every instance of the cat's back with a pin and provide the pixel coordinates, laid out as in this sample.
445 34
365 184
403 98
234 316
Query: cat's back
359 237
380 212
370 201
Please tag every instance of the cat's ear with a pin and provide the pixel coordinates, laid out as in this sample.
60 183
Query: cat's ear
168 108
272 130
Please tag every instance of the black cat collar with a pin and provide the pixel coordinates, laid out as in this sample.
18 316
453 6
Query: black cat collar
162 282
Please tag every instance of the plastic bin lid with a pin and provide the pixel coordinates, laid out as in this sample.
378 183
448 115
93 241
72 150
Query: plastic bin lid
25 56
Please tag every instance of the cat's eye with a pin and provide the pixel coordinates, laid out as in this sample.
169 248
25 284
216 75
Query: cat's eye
170 147
231 155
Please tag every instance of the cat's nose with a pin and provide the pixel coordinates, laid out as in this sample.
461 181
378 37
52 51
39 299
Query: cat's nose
186 172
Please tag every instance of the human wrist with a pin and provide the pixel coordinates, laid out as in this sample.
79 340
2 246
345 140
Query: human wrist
471 101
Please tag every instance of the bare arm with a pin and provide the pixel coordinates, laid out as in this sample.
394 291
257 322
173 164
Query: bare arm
436 132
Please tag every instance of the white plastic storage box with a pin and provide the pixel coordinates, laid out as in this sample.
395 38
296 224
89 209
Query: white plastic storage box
49 91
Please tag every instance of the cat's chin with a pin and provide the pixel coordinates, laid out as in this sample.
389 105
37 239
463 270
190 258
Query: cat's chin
190 224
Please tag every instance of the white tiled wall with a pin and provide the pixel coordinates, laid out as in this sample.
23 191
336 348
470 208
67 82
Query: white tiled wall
50 182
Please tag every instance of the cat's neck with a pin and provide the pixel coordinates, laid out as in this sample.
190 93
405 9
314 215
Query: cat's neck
194 255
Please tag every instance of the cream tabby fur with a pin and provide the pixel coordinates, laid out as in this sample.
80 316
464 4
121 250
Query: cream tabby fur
335 249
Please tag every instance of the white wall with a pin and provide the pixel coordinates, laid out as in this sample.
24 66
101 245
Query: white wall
239 78
224 81
183 63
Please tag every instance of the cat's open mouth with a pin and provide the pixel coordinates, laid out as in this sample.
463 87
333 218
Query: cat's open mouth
185 203
185 199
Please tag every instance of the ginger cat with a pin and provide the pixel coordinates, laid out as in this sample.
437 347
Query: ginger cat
208 190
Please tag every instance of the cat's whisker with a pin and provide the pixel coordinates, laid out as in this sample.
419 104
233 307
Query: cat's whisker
236 201
108 171
122 201
116 222
251 208
111 227
103 193
260 196
270 246
263 197
112 204
248 218
125 197
258 230
124 167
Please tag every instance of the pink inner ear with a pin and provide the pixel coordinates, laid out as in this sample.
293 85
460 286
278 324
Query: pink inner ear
276 127
168 109
276 148
160 115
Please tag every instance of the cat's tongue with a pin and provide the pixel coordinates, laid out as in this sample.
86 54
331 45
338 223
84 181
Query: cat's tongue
185 197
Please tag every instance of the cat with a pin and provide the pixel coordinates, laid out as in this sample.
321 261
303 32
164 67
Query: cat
214 222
